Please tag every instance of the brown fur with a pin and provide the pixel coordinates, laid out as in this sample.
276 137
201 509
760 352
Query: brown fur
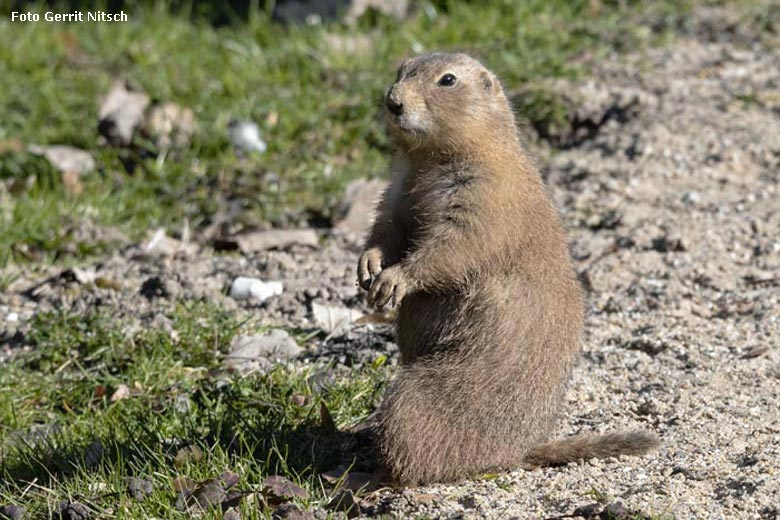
469 244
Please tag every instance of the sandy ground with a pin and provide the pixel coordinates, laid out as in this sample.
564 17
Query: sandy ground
673 208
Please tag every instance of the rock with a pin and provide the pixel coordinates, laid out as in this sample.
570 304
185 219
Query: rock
13 512
257 353
229 479
275 239
356 211
139 488
291 512
334 320
170 126
120 113
352 480
208 494
65 159
244 288
156 287
72 511
122 392
245 136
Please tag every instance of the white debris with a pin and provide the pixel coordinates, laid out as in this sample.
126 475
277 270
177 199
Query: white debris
245 135
244 287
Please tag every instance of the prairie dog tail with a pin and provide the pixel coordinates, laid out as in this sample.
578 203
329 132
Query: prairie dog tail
584 447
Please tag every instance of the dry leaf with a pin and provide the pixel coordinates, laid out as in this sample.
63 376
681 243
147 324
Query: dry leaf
188 454
334 320
183 484
11 145
71 181
326 419
279 489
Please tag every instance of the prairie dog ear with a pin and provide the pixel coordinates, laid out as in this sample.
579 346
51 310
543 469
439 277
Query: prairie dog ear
486 80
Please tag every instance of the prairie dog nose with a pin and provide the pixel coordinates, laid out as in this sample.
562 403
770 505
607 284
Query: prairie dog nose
393 105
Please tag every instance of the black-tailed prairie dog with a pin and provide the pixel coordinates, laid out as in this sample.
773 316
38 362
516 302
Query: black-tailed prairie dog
469 245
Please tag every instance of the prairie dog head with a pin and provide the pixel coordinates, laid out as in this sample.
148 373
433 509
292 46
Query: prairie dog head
446 100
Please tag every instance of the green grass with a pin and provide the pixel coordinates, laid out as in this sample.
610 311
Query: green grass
180 398
328 129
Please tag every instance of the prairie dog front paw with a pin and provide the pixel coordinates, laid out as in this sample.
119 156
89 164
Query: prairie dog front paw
390 287
369 266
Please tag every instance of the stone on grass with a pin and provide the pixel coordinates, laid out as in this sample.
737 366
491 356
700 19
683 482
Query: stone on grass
291 512
120 113
139 488
12 512
65 159
245 136
72 511
170 126
258 352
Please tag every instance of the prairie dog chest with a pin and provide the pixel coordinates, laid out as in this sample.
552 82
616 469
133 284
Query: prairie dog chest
443 195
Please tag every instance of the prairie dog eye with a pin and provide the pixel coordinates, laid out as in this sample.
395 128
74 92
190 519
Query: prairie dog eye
447 80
